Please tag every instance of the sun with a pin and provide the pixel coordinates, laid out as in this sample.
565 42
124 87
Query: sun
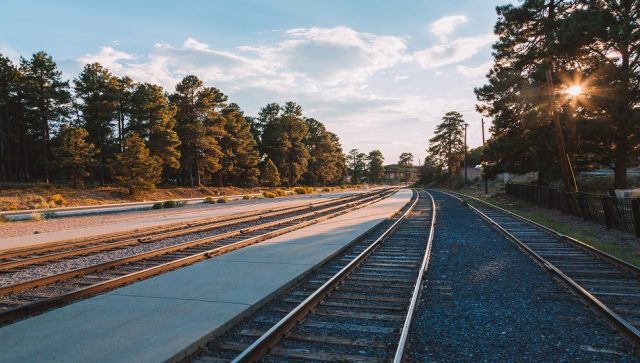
574 90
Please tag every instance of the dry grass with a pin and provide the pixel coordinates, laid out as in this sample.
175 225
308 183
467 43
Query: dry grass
55 196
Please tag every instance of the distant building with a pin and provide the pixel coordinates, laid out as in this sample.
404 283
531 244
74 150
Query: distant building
394 174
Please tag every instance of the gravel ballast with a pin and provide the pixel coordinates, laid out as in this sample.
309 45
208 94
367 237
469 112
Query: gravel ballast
485 300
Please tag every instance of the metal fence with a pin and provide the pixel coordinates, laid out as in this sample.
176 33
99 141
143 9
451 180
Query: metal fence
619 213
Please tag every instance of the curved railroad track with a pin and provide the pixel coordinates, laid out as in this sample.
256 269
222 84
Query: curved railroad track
356 307
34 295
608 285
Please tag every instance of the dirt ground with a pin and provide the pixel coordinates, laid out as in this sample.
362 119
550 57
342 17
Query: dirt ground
16 197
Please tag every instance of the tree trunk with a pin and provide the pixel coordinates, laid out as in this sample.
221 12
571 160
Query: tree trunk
45 149
197 171
449 174
620 173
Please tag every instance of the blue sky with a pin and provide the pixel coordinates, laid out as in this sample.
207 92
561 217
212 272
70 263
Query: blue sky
378 73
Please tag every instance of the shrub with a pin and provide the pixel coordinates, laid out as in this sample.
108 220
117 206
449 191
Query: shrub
169 204
300 190
327 189
223 200
57 200
210 200
269 195
245 197
157 205
37 216
49 215
257 197
280 192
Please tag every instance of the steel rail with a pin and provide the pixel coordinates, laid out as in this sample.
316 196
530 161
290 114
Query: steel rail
631 333
152 236
404 335
141 233
47 303
25 285
271 337
620 263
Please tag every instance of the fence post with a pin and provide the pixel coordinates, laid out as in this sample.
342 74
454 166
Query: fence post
635 208
607 212
583 212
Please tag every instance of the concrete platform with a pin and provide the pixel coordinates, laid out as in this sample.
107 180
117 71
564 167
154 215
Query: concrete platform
164 317
157 218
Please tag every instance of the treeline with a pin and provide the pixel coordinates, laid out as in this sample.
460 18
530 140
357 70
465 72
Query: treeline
102 128
592 49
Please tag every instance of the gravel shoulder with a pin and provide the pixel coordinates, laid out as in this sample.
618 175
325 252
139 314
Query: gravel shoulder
485 300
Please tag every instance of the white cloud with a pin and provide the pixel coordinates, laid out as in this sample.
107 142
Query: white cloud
400 78
445 26
10 53
475 72
454 51
108 57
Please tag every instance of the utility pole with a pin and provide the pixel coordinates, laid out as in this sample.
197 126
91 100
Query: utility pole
465 154
568 179
486 186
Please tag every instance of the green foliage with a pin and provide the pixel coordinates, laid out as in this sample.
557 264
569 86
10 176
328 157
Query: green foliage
135 168
169 204
241 156
326 160
283 141
270 174
210 200
199 126
75 156
153 118
446 147
375 167
356 165
405 163
269 194
280 192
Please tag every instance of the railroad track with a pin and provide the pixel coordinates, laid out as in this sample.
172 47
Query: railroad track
608 285
58 250
35 295
356 307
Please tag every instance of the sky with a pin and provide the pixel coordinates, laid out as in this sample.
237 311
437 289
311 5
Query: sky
380 74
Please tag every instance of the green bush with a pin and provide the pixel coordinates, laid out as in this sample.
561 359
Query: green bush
49 215
210 200
169 204
269 195
222 200
157 205
245 197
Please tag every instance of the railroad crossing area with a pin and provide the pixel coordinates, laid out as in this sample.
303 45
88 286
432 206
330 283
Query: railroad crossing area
382 276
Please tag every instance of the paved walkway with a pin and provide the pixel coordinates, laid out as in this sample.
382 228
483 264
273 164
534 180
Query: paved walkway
157 218
165 316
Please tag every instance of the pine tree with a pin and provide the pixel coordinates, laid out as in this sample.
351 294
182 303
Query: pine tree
135 168
283 142
8 77
47 100
405 163
153 118
326 162
375 167
270 175
74 156
199 126
446 147
96 88
357 164
241 156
